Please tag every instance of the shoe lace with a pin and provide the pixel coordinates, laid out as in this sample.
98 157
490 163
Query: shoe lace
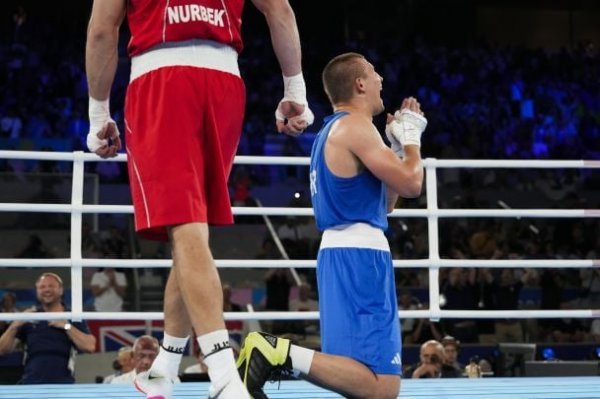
277 373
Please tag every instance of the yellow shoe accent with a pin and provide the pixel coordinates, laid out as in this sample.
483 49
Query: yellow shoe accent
262 355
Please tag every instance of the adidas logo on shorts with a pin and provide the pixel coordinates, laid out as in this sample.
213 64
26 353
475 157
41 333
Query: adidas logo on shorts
397 359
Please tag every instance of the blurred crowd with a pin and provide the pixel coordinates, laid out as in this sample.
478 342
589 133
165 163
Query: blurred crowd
482 100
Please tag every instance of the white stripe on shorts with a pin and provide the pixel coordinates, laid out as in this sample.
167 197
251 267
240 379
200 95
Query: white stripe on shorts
357 235
196 53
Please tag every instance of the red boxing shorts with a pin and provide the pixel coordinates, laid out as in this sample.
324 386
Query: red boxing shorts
183 125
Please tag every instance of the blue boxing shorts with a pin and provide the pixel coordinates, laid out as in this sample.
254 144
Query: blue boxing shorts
357 298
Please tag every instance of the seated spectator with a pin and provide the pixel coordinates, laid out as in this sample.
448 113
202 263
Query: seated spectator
123 364
432 363
304 303
461 293
278 283
145 350
50 346
8 305
268 250
293 237
241 188
424 330
504 290
108 287
567 329
35 248
590 286
451 348
304 332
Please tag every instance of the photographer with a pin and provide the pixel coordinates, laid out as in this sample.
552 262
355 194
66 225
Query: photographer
432 363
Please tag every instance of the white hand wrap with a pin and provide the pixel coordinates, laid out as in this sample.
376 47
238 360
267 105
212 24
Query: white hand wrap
396 146
407 127
99 114
294 90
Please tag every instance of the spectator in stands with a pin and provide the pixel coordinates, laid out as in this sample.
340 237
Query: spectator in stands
278 282
424 330
305 303
49 344
241 188
145 350
10 124
461 293
292 236
123 364
268 250
114 244
590 285
35 248
451 348
293 148
504 291
485 367
567 329
7 305
552 285
432 363
108 287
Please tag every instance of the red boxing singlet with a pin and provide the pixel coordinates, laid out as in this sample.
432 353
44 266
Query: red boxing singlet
153 22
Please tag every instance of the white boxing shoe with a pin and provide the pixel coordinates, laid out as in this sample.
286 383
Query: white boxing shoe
154 386
233 390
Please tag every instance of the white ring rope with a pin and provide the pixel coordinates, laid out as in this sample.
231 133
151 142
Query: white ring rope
270 160
264 315
282 211
282 263
432 213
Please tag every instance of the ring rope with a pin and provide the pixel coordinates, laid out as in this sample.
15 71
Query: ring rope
313 315
283 211
307 263
272 160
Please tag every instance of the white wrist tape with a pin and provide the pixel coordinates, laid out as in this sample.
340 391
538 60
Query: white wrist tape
396 146
99 114
407 127
294 90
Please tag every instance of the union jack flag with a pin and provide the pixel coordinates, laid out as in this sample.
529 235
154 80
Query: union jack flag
114 334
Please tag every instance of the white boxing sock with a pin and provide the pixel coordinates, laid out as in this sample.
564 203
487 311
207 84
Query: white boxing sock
218 357
301 358
169 355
